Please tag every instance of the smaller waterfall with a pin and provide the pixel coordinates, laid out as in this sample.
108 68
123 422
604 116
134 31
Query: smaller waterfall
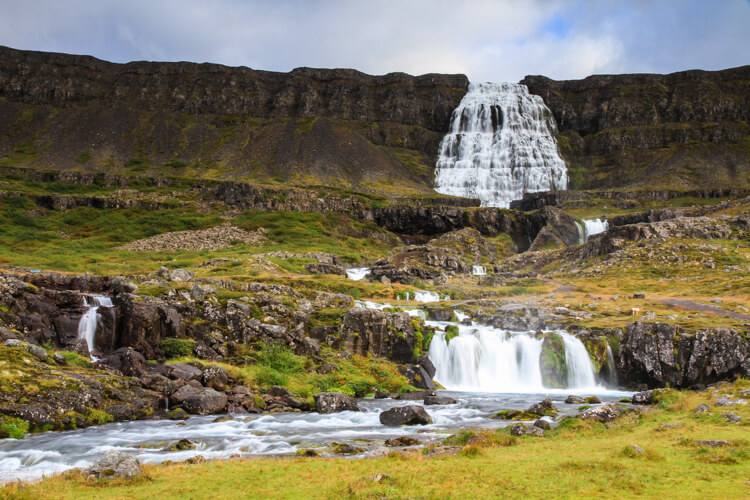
581 233
580 367
611 370
478 271
90 319
357 273
594 226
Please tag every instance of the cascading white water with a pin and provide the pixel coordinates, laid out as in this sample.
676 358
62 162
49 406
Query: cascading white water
580 368
90 319
594 226
483 358
581 233
357 273
501 144
612 373
478 271
487 359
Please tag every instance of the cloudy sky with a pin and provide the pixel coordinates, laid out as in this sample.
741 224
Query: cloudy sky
500 40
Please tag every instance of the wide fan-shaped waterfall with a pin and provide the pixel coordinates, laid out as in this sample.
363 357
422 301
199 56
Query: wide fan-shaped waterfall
501 144
483 358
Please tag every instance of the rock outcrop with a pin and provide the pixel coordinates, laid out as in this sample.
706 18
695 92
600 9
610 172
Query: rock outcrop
657 354
373 332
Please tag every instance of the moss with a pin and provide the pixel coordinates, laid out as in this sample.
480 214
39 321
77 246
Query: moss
451 332
98 417
14 428
326 317
173 348
552 362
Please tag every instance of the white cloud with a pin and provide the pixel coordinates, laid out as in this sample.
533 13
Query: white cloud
488 40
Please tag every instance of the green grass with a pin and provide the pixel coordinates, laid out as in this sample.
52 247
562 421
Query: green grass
85 239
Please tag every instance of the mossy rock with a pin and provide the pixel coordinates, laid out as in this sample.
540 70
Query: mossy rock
552 362
517 415
451 332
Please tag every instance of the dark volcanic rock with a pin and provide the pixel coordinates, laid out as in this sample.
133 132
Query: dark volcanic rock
658 353
378 333
405 415
205 401
439 400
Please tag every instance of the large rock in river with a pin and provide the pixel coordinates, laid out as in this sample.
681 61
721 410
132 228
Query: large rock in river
405 415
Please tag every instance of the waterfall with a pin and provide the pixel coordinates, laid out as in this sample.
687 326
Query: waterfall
478 271
90 319
594 226
357 273
611 370
501 144
581 233
484 358
580 367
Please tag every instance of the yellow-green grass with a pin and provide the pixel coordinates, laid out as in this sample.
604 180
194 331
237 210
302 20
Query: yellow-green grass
276 365
597 207
87 239
579 460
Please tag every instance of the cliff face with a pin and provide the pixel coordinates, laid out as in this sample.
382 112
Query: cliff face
685 130
310 125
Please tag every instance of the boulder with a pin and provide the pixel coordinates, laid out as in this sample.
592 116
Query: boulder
526 430
130 362
182 371
205 401
574 400
181 394
606 413
543 424
402 441
334 402
415 395
543 408
643 398
405 415
216 377
180 275
115 464
178 414
181 445
439 400
37 351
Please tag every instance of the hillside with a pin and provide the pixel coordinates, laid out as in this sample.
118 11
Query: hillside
310 126
684 130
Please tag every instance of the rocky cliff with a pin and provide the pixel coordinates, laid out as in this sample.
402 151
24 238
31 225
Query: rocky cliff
684 130
310 125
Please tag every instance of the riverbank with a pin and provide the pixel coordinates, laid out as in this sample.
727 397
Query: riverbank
670 450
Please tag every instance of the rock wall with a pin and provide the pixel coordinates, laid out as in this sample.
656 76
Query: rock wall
658 354
684 130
